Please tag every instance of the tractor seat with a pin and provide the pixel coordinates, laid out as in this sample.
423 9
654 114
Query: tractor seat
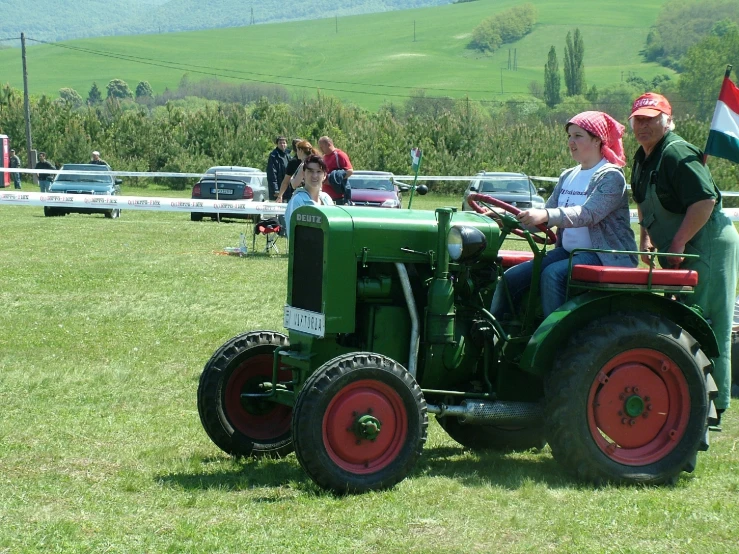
633 277
509 258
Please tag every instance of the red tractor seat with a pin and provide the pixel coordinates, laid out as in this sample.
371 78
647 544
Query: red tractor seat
509 258
609 275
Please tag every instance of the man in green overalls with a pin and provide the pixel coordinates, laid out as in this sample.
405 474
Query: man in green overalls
680 212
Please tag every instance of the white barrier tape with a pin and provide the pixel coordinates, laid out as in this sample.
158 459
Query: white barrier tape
95 201
168 204
262 174
129 173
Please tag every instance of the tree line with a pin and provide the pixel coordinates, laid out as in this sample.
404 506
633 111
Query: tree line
503 28
458 137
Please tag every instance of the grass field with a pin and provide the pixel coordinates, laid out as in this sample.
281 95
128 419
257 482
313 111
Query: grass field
105 326
370 60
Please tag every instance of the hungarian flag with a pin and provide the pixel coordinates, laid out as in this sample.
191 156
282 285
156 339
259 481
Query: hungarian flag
723 139
416 159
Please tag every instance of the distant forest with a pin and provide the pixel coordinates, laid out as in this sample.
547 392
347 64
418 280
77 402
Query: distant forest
56 20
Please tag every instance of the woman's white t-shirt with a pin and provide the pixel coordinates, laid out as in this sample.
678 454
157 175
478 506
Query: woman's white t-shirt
574 193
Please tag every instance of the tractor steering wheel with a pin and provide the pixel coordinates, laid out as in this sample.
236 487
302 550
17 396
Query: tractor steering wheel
480 202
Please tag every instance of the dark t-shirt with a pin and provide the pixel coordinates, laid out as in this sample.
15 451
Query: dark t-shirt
682 180
292 167
45 165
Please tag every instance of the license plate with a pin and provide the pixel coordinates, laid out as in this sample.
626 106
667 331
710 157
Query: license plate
310 323
221 191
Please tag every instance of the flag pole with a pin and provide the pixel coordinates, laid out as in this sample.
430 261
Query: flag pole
416 165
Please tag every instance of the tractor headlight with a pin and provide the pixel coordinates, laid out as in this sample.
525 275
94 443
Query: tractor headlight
465 243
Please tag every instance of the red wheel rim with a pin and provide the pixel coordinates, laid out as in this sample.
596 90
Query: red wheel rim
362 456
638 407
256 418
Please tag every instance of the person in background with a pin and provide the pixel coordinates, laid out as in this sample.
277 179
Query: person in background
96 159
589 207
339 169
293 180
286 191
15 163
310 194
680 212
44 179
276 166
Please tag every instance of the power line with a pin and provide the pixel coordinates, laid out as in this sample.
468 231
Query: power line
189 65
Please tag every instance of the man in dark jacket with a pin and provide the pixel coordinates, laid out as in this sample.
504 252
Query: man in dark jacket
96 159
15 163
44 179
276 166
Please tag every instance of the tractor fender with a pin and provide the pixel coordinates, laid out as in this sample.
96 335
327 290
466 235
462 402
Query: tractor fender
555 331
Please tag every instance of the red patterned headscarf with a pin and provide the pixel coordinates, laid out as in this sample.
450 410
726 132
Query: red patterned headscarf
608 130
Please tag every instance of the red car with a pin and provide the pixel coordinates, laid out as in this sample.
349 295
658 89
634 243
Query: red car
375 188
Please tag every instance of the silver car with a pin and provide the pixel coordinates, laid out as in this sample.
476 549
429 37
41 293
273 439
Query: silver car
515 189
228 182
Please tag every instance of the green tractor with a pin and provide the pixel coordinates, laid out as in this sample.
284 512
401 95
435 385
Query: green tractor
388 320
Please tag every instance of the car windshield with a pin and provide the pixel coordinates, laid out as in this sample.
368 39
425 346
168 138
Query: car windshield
367 183
511 186
84 178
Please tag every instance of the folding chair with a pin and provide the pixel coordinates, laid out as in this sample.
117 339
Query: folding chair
272 229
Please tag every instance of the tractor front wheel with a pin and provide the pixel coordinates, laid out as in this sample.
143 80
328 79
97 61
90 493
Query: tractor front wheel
239 425
629 401
359 423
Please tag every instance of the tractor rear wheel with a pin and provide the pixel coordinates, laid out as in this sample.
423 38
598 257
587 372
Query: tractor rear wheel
359 423
488 437
629 401
245 426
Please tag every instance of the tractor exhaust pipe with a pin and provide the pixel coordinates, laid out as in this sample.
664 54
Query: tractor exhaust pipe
479 412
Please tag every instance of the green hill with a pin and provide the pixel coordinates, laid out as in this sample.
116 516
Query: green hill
369 59
55 20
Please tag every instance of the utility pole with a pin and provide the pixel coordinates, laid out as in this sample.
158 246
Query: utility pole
414 30
26 103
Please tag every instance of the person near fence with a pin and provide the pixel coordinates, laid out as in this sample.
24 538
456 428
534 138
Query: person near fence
15 163
310 194
276 166
44 179
680 212
590 209
286 191
339 169
96 159
294 173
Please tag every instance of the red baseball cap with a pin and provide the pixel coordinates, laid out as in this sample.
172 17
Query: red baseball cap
650 104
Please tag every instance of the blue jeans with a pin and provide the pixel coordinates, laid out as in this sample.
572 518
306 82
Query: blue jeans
553 281
44 185
16 180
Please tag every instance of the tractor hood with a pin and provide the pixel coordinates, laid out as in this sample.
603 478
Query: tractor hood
389 235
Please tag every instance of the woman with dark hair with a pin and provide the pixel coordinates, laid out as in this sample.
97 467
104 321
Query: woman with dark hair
293 173
589 207
310 194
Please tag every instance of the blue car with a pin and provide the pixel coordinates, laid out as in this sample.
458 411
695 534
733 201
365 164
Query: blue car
81 182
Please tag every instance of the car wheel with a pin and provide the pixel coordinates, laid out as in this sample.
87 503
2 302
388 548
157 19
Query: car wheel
196 216
113 214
